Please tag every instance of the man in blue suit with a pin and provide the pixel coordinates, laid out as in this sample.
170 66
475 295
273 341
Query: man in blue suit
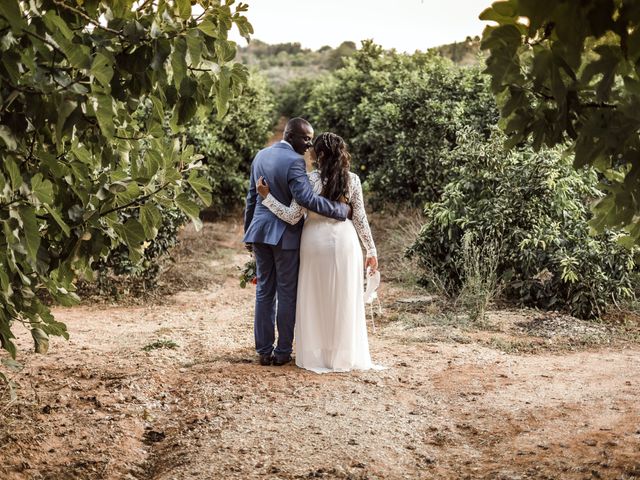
275 243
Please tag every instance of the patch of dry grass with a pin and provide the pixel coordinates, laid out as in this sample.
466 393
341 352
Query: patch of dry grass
394 231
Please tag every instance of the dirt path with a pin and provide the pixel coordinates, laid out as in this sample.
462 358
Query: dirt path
454 403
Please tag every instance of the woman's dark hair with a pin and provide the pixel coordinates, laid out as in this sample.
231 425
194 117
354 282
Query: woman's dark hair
334 166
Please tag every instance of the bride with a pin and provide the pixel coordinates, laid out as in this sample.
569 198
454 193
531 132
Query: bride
330 330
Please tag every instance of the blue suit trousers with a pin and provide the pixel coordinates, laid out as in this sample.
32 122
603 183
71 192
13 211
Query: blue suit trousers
277 272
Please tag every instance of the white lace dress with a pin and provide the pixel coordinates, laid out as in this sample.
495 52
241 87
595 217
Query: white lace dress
331 330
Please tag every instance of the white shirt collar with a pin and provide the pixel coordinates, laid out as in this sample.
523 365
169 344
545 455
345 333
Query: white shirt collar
284 141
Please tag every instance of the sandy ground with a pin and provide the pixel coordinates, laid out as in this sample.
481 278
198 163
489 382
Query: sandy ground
524 395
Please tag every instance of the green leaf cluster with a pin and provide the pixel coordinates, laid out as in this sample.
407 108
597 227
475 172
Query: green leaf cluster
295 95
399 114
219 180
535 205
229 145
567 71
117 269
82 171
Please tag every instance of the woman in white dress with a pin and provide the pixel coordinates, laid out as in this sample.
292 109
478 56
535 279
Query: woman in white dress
331 331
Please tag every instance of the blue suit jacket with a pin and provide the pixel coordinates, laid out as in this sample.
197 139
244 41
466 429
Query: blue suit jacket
286 175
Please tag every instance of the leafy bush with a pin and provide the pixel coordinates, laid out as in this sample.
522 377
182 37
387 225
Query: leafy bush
535 205
567 72
462 53
72 153
400 114
146 269
229 145
335 99
294 96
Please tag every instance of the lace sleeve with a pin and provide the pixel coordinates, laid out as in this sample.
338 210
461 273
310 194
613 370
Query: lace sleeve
360 221
291 214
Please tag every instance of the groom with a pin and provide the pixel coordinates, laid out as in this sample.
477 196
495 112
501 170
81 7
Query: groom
275 243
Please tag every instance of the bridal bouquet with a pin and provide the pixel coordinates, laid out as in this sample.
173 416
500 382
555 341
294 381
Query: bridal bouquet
248 274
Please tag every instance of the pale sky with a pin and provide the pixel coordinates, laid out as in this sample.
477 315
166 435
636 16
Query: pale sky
406 25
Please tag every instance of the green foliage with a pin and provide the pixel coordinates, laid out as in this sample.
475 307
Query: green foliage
567 70
228 146
147 268
260 49
400 114
535 206
294 96
480 259
160 344
338 57
77 162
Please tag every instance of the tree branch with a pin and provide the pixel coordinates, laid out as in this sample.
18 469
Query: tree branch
597 105
137 201
5 205
44 40
195 69
84 15
65 87
17 88
144 4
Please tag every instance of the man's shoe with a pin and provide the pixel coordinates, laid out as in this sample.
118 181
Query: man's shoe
265 359
278 362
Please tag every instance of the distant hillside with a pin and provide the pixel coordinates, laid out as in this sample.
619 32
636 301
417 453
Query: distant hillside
462 53
284 62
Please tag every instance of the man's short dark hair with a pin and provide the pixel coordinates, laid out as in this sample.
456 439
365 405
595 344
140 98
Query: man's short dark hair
295 125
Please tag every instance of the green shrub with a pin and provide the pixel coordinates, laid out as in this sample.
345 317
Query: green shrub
159 344
536 206
335 99
145 270
71 153
400 114
229 145
294 96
